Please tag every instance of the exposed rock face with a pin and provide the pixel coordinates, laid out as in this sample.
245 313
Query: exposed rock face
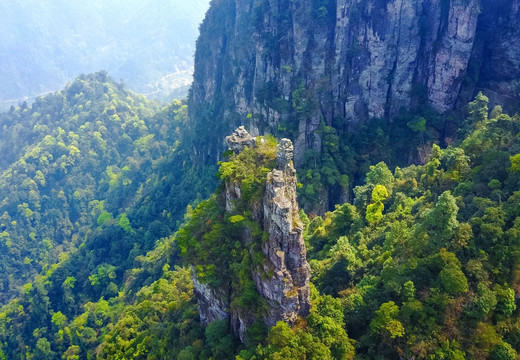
346 61
282 280
284 154
496 52
213 303
287 290
239 140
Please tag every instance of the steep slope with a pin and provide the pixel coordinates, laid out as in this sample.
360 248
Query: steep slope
289 66
425 261
94 304
422 264
494 67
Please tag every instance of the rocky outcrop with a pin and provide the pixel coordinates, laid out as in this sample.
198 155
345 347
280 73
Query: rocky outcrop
296 63
287 290
239 140
495 61
213 303
282 278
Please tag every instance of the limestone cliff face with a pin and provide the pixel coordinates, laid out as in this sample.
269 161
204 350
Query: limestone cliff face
496 52
282 277
287 290
296 63
213 303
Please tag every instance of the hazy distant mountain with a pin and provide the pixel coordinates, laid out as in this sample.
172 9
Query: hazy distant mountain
143 42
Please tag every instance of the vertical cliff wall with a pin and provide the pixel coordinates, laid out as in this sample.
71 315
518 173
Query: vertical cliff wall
494 67
292 64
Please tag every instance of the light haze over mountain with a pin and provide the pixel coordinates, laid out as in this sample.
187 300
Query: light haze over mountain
147 44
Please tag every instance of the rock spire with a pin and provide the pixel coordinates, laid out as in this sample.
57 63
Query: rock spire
282 278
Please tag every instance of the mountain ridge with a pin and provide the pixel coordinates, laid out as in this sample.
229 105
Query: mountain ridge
409 222
48 44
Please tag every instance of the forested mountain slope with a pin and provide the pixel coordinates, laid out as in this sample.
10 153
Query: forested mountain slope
422 264
72 161
407 244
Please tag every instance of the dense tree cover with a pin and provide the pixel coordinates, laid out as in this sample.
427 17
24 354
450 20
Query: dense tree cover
153 314
125 150
433 272
422 263
329 175
74 160
211 239
137 184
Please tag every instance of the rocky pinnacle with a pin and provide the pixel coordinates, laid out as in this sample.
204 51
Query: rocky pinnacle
282 278
284 153
287 290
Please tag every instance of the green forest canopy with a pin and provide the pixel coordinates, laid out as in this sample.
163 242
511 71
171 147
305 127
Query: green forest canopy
422 263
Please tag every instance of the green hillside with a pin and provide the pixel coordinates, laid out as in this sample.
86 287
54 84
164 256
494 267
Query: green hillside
423 263
342 182
71 161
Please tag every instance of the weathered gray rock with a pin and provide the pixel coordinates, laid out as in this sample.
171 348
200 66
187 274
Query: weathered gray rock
284 153
352 60
287 289
239 140
213 303
497 52
232 194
